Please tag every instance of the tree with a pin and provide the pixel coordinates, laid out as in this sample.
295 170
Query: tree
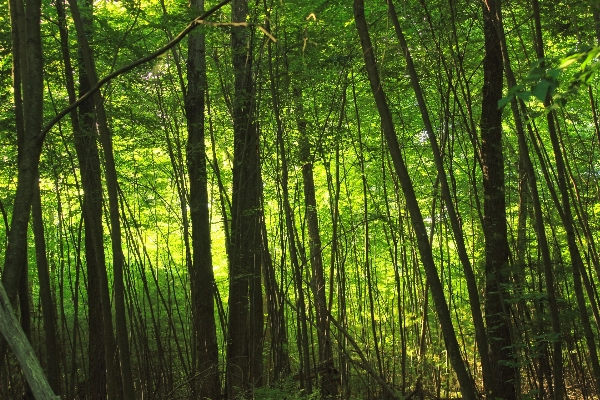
244 343
28 80
494 212
202 281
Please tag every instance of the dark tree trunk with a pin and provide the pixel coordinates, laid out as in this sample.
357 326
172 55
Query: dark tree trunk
28 80
244 348
494 212
121 368
202 281
274 296
303 331
473 291
30 146
276 317
329 382
115 368
48 312
89 164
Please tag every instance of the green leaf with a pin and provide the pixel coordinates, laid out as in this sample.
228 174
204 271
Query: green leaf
524 95
503 101
554 73
590 56
536 73
565 62
542 89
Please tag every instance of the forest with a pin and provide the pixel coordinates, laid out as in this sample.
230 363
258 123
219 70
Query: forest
307 199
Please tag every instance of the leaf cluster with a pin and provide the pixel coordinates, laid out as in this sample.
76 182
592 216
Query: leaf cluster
542 81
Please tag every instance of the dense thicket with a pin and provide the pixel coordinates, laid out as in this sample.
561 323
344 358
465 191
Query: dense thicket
328 199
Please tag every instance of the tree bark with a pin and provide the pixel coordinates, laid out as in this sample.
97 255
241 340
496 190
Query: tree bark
48 311
202 281
244 348
494 213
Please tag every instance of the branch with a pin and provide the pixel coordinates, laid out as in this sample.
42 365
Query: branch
192 25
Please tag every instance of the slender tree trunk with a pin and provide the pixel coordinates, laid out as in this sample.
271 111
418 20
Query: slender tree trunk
297 266
328 379
48 311
275 309
466 383
121 368
244 342
494 212
17 340
303 334
202 281
275 302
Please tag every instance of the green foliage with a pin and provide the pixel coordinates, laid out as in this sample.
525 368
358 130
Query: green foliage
542 81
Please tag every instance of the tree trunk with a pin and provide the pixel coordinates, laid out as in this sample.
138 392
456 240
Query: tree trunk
28 80
202 281
30 146
494 213
329 382
122 366
48 312
14 335
244 348
275 309
275 303
532 191
473 291
28 73
89 165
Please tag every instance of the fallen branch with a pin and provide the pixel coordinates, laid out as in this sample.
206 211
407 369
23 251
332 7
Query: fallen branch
21 348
